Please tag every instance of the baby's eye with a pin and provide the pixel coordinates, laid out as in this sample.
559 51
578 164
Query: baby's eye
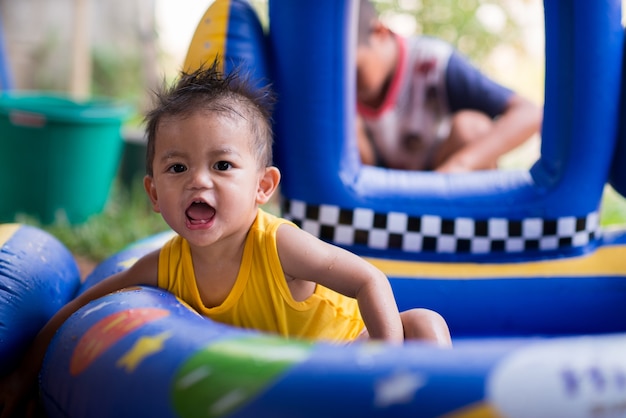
223 165
177 168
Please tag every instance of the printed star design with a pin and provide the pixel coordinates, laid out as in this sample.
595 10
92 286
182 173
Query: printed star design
397 389
143 347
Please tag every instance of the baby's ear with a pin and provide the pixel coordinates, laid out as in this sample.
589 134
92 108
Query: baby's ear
267 184
148 185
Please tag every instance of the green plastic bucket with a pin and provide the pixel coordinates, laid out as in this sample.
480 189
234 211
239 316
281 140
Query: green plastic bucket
58 157
133 162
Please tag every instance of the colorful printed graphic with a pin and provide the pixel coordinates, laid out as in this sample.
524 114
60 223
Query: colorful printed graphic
229 373
7 231
107 332
575 377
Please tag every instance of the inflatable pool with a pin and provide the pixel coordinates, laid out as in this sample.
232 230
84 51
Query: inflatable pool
532 287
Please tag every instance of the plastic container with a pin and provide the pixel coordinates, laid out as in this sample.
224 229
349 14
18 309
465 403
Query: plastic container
133 162
58 157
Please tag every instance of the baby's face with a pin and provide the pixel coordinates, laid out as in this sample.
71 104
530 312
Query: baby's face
206 176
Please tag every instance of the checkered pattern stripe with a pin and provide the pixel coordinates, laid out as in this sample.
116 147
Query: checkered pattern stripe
398 231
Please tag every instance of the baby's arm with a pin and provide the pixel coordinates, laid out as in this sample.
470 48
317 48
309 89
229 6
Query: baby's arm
305 257
22 382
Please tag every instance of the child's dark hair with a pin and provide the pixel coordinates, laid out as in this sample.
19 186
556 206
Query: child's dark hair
207 89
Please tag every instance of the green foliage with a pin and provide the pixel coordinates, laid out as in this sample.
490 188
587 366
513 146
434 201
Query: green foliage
458 22
115 75
120 77
127 218
613 211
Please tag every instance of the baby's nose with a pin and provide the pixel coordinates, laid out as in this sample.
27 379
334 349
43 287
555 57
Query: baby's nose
201 178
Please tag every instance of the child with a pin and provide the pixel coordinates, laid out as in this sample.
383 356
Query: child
422 106
209 159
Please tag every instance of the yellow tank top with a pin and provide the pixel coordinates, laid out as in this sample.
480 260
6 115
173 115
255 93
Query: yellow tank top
260 298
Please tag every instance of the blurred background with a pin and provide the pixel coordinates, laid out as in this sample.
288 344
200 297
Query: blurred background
123 49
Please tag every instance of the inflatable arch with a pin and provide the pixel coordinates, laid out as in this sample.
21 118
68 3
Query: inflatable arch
532 287
494 215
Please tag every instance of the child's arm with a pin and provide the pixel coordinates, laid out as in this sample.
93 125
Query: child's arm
15 388
305 257
365 147
519 121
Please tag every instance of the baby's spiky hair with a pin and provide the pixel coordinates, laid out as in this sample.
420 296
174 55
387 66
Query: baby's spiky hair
208 89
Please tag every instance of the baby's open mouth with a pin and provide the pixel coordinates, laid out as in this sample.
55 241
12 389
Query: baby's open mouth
200 213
